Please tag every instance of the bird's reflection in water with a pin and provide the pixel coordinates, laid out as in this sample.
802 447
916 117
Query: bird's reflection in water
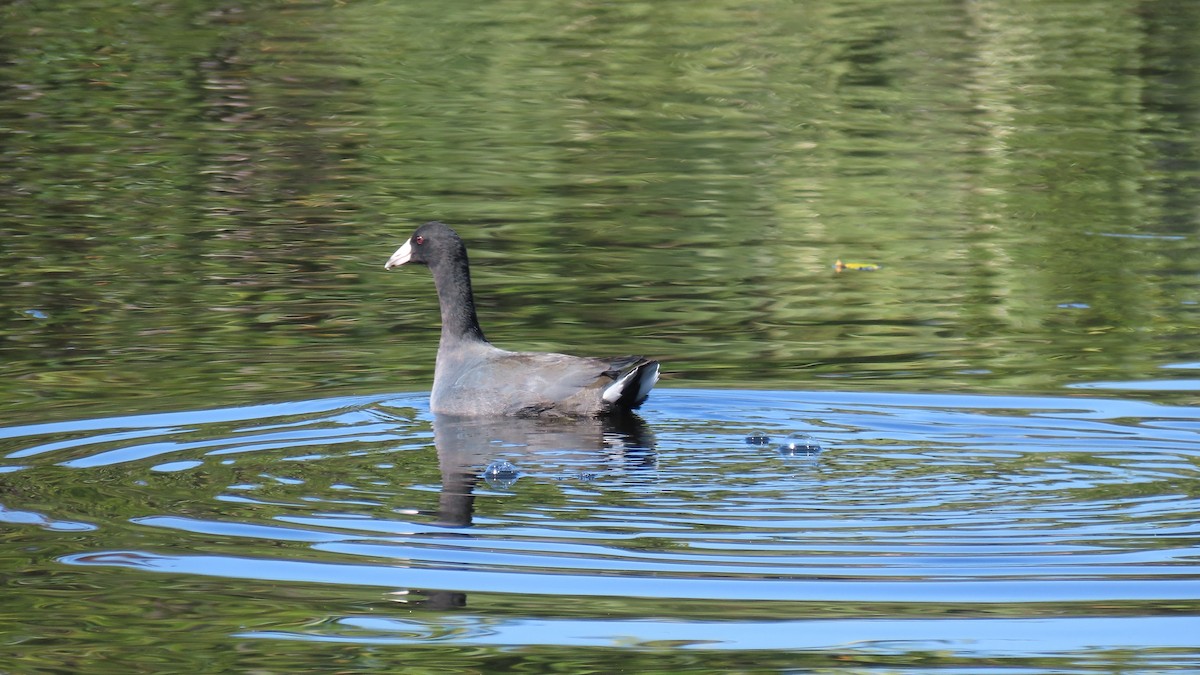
468 446
474 449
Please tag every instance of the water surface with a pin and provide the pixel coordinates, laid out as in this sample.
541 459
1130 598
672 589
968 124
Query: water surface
950 530
196 200
215 450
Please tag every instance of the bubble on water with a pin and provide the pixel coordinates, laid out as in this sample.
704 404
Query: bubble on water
501 473
758 438
800 445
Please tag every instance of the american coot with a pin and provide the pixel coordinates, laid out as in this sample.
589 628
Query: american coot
474 378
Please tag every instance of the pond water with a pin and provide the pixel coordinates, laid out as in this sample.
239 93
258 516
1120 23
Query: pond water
982 532
924 276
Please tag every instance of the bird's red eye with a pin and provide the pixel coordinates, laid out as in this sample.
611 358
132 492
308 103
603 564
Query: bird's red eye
418 240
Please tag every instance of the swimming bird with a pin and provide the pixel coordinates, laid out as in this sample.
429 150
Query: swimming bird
473 378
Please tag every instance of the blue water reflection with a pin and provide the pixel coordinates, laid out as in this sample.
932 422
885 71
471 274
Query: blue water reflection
1055 524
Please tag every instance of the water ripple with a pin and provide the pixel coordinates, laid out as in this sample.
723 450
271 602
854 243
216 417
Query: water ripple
919 503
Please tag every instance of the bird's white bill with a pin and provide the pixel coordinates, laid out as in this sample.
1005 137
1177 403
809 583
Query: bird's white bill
401 256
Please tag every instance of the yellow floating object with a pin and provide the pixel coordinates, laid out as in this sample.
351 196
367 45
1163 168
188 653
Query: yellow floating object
856 267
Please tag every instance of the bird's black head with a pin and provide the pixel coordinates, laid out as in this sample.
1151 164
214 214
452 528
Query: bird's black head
430 244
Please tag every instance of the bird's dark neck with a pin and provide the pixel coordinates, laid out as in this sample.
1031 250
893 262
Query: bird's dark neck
452 277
